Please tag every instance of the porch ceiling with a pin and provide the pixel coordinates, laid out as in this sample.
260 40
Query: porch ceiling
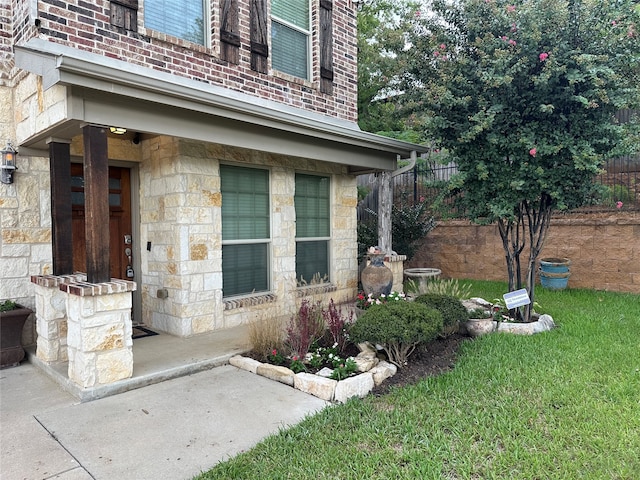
109 92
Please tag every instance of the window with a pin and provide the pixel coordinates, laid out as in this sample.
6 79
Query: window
180 18
312 227
245 230
290 34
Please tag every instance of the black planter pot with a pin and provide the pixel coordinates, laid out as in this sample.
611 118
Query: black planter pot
11 325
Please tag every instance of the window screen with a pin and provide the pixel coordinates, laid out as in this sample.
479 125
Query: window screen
312 205
245 230
180 18
290 37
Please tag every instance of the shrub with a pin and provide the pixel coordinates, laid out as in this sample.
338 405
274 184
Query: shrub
451 308
399 327
304 328
266 335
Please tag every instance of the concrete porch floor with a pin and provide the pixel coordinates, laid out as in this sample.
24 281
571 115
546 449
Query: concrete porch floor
158 358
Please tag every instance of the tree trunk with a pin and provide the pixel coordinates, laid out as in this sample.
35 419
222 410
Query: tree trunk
538 221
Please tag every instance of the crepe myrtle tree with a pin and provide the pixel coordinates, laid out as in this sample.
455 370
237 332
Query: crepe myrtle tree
523 93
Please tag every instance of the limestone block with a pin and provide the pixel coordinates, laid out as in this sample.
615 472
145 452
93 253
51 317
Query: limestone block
544 324
82 368
358 386
245 363
326 372
114 365
366 361
47 350
46 328
320 387
204 323
275 372
107 337
109 303
367 347
383 371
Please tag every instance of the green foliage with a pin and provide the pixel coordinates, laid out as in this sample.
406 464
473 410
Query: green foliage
451 309
523 95
410 223
399 327
382 37
450 287
572 391
344 369
8 305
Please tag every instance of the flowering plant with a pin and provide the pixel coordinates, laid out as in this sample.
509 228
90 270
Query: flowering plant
365 301
297 365
275 357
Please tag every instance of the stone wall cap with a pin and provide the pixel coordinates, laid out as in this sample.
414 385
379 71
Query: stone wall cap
57 280
87 289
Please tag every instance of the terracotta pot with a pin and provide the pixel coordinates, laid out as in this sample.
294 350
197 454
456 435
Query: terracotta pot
376 278
11 325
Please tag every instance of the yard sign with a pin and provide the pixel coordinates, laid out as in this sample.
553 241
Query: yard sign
516 299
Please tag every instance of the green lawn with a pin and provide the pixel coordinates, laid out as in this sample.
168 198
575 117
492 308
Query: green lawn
558 405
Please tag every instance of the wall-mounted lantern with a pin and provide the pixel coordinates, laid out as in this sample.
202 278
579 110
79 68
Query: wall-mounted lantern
8 165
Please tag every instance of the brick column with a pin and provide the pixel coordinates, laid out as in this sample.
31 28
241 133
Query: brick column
99 332
51 316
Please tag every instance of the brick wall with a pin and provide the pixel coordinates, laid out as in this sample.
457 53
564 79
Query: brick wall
604 250
86 25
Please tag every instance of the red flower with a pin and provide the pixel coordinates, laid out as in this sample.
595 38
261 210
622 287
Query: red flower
543 56
533 152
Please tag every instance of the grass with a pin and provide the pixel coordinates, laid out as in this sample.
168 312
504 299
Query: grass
558 405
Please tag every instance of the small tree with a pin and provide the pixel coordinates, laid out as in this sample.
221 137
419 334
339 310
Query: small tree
523 94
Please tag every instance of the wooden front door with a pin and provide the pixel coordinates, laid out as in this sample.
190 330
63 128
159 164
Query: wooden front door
120 240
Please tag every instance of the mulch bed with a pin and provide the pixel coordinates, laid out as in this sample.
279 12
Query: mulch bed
437 357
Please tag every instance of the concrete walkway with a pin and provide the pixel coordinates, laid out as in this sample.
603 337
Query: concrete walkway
174 429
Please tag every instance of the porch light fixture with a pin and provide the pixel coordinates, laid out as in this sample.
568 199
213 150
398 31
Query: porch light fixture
8 165
118 130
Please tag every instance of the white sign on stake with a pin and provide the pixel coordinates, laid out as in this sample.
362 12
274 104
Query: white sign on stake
516 299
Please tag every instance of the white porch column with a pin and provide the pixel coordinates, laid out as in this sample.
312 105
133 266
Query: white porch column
99 332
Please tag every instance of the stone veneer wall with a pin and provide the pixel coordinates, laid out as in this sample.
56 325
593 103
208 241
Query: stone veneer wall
604 249
86 26
180 210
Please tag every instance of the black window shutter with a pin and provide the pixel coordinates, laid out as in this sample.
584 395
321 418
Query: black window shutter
124 14
229 31
326 46
259 39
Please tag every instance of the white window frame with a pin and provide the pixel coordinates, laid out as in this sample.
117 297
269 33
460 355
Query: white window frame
328 239
206 14
308 33
268 241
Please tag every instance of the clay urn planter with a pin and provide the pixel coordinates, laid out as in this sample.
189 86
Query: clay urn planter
376 278
12 319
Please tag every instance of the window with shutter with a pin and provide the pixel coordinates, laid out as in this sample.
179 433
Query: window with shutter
326 46
180 18
290 37
259 36
313 226
246 230
229 31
